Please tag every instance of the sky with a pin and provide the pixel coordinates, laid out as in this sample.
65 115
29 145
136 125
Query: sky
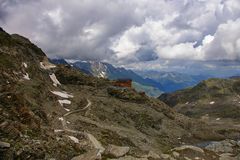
128 32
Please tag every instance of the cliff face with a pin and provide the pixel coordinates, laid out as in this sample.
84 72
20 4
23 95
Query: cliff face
54 111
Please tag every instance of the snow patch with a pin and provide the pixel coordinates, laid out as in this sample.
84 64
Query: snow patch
65 101
74 139
212 102
102 74
218 119
62 94
54 79
26 76
25 65
46 66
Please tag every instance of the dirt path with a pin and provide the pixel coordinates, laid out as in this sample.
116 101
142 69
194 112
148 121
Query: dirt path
79 110
97 145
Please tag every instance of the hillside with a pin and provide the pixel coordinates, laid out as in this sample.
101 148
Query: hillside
57 112
217 98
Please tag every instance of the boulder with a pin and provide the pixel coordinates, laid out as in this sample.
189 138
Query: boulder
129 158
91 155
153 155
116 151
194 148
4 145
175 154
225 146
238 143
227 156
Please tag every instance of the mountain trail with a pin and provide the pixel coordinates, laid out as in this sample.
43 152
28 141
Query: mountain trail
96 144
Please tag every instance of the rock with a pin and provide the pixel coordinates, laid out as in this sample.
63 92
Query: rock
234 143
175 154
227 156
165 156
4 145
186 158
238 143
116 151
194 148
153 155
129 158
92 155
221 147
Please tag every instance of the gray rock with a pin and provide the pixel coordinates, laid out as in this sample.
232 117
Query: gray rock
129 158
116 151
153 155
194 148
91 155
227 156
165 156
175 154
221 147
4 145
238 143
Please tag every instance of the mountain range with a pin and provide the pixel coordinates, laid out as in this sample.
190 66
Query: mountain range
152 82
106 70
55 111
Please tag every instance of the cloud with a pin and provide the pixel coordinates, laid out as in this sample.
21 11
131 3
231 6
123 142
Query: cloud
123 32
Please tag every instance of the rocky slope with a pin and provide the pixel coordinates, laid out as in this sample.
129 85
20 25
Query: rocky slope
56 112
218 98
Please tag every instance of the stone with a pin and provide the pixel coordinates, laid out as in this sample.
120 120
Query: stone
91 155
227 156
4 145
238 143
129 158
175 154
153 155
116 151
165 156
186 158
194 148
221 147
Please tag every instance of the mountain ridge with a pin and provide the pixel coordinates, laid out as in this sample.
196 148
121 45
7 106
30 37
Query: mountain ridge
106 70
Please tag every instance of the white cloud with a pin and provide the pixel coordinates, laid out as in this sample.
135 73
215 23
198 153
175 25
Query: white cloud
226 42
121 31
